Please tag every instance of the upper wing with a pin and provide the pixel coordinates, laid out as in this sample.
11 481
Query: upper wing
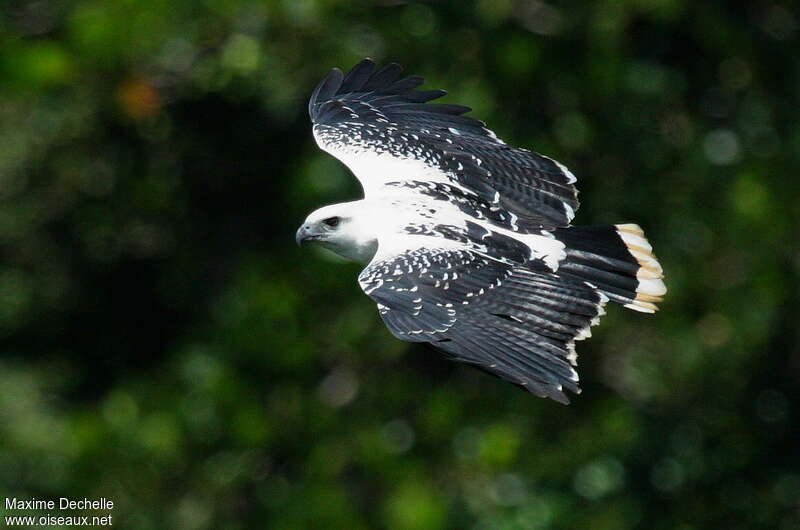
386 132
515 323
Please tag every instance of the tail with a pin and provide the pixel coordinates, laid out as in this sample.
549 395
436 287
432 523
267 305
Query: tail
615 259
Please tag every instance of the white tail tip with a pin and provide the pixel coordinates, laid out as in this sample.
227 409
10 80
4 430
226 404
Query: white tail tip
651 288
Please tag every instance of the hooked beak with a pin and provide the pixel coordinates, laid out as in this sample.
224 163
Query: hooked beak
304 233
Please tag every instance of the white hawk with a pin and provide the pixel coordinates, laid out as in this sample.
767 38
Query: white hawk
467 239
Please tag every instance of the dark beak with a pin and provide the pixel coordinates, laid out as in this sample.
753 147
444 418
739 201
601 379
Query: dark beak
302 234
305 233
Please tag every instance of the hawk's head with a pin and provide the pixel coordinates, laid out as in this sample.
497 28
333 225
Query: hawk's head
343 228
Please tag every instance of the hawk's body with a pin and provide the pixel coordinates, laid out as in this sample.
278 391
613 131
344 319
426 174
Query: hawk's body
468 240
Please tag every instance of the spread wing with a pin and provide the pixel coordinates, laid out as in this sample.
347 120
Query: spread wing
514 323
388 134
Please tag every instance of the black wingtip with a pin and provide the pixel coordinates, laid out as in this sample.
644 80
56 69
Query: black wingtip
399 95
357 76
326 88
384 77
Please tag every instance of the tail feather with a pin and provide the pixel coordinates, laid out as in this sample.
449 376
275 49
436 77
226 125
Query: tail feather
617 260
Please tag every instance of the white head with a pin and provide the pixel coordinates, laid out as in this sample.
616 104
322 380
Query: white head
347 229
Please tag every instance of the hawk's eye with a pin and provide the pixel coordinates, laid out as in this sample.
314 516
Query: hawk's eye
333 222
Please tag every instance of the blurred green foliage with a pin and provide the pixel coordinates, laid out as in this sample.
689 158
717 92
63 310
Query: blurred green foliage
165 344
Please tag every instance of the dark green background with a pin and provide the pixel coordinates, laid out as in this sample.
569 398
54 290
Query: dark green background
165 344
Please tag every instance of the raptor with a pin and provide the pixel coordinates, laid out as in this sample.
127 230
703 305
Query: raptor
467 241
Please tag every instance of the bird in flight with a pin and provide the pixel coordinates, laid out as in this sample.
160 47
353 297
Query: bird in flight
467 241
